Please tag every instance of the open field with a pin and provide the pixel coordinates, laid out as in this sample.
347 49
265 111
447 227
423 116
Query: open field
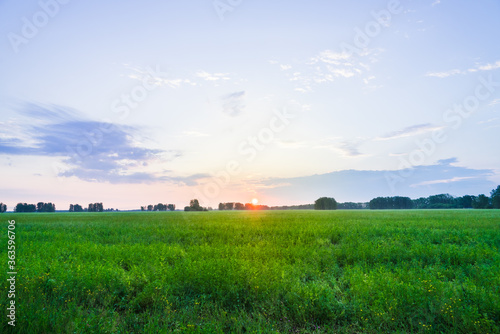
270 271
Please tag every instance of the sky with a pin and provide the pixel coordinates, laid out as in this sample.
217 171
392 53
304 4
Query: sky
133 103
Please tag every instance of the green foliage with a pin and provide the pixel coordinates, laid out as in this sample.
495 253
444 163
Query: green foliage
3 207
257 272
481 202
23 207
325 203
396 202
495 198
194 205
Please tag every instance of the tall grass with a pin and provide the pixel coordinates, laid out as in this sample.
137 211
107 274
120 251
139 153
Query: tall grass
236 272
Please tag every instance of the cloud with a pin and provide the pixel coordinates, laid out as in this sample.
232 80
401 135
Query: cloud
409 131
194 134
363 185
478 67
435 3
156 77
90 150
443 74
328 66
233 104
212 76
349 149
453 179
494 102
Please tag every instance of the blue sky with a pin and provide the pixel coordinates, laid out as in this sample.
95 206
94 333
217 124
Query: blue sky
132 103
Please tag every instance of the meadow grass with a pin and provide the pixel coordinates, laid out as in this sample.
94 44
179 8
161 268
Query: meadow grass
414 271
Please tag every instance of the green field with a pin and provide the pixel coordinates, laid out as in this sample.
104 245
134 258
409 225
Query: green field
269 271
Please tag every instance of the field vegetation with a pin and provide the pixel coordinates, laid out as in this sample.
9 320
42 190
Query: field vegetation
418 271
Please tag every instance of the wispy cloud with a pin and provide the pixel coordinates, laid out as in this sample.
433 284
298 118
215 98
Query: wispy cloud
478 67
328 66
156 77
444 74
435 3
233 104
90 150
494 102
195 134
453 179
345 185
410 131
212 76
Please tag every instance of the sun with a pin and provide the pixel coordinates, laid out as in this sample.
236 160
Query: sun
255 201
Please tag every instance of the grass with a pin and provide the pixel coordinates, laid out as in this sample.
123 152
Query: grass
256 272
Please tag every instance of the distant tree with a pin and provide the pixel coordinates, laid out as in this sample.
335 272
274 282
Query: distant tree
465 202
350 206
325 203
194 205
481 202
171 207
396 202
495 198
45 207
229 206
239 206
3 207
23 207
160 207
150 207
222 206
421 203
249 206
143 208
95 207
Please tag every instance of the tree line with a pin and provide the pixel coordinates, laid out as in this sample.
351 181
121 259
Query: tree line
441 201
240 206
39 207
158 207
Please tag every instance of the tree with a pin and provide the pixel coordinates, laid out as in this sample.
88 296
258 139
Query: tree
150 207
23 207
171 207
194 205
229 206
143 208
3 208
239 206
481 202
45 207
325 203
95 207
222 206
495 198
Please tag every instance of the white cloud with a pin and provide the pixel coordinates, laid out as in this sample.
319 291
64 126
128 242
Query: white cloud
435 3
285 67
494 102
486 67
454 179
410 131
443 74
212 76
195 134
